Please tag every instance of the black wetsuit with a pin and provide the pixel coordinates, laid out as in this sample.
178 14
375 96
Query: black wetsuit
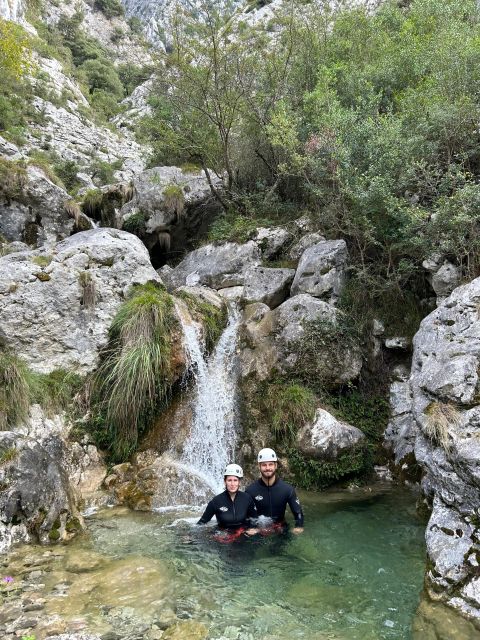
272 501
230 514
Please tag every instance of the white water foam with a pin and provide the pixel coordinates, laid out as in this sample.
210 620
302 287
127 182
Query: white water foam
196 473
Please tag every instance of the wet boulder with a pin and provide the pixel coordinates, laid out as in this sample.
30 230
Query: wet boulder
56 306
326 437
321 270
37 501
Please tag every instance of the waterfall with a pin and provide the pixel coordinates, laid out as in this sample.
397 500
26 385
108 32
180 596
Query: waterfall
196 473
212 440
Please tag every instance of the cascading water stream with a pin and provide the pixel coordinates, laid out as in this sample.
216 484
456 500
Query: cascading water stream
210 445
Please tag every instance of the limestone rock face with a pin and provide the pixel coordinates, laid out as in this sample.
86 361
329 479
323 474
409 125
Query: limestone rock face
267 285
327 437
216 267
174 206
320 271
440 415
39 215
56 308
272 339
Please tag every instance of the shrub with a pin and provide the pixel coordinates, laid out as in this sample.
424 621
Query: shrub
287 406
12 178
135 376
101 74
316 474
174 199
67 171
103 172
135 223
110 8
132 75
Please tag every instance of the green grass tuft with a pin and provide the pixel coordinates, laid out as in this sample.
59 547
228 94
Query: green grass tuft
14 391
134 378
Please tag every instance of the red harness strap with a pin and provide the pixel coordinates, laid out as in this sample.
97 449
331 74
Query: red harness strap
226 537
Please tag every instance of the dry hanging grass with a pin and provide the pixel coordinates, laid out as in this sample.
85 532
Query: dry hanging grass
441 416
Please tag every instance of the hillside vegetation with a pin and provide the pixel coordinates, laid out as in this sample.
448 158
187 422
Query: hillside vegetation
367 121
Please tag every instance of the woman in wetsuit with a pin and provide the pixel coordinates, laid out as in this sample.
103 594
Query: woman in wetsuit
234 509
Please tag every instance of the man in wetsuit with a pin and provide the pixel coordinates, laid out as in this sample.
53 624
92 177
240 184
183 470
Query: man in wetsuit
271 494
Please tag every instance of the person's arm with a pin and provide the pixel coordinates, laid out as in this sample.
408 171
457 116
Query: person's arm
208 513
296 509
252 515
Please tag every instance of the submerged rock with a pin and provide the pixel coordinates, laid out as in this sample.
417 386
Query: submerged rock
37 501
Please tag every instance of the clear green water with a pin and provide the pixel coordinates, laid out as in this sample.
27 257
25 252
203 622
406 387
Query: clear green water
356 572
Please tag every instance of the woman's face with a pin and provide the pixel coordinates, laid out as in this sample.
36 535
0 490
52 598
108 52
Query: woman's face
232 483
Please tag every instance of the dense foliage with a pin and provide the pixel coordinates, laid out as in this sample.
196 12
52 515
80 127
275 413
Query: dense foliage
367 120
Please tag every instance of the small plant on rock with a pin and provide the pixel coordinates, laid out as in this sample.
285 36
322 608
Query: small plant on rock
440 417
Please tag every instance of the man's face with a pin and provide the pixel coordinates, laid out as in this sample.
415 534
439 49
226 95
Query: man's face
267 469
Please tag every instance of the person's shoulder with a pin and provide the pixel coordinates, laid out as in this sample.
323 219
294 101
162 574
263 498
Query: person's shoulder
285 485
252 487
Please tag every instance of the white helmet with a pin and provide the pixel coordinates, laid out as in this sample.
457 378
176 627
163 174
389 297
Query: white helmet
267 455
233 470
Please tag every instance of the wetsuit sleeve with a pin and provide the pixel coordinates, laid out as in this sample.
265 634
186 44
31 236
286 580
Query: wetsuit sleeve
252 513
208 513
296 508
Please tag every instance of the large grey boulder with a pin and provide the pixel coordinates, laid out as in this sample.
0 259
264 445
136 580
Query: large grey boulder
37 501
320 271
268 285
441 417
326 437
272 340
216 267
155 192
56 308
